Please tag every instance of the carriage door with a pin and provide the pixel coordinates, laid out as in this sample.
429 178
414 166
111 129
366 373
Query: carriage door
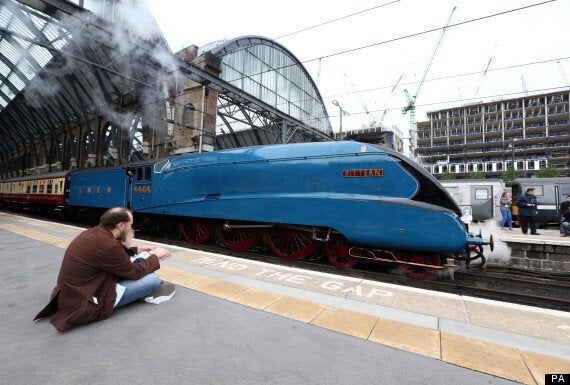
141 188
560 192
482 202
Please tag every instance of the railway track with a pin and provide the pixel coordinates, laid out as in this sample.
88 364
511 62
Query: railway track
494 284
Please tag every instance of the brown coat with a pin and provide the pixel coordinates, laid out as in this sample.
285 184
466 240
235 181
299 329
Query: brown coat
92 264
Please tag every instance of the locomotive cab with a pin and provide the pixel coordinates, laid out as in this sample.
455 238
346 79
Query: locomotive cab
140 184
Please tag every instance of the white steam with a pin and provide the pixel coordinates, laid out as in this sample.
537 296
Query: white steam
501 253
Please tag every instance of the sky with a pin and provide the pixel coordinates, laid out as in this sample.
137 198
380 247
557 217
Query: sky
358 51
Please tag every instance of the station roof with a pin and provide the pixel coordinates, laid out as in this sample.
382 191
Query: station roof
59 61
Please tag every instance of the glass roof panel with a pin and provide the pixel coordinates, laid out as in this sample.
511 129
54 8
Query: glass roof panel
5 17
16 81
21 53
27 69
4 69
9 51
6 91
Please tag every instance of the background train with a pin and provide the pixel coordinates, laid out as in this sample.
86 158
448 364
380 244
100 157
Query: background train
478 199
550 193
351 200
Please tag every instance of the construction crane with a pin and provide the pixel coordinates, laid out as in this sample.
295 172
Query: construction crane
371 121
381 120
411 106
484 73
351 84
524 86
562 73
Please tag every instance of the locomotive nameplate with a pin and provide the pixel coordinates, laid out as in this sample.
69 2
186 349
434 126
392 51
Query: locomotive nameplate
365 173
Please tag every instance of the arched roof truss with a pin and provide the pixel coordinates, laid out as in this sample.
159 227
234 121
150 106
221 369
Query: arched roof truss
270 72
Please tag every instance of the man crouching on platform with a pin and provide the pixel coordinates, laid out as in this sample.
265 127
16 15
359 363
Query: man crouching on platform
95 276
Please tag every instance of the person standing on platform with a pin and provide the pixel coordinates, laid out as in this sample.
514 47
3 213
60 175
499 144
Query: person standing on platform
95 277
565 217
527 211
506 204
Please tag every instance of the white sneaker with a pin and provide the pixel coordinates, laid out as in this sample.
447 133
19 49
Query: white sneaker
162 293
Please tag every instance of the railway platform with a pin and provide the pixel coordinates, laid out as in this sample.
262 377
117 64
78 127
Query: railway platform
244 321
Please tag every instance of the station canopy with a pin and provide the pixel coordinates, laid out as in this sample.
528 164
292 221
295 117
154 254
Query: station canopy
62 60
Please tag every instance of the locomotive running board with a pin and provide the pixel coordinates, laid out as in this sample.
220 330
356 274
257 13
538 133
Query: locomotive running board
394 260
450 266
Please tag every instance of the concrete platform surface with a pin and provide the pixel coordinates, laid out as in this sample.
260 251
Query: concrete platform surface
235 321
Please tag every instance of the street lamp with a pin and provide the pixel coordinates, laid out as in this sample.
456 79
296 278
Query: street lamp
341 113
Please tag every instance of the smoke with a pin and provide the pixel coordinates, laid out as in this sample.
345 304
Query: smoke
135 58
501 253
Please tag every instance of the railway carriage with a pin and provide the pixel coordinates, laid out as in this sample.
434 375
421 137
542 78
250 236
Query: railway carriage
550 193
478 199
35 192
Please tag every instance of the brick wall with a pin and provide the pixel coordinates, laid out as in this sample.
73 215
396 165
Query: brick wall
539 257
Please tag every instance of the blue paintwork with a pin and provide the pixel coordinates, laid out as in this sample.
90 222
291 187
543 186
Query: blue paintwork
101 188
299 184
303 184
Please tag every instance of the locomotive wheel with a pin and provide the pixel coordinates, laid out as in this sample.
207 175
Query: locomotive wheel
418 272
290 244
337 252
196 231
476 257
238 239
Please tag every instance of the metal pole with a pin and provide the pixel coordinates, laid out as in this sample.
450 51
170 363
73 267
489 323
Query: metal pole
340 126
513 155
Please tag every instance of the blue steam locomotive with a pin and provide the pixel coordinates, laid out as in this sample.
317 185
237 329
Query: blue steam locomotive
351 200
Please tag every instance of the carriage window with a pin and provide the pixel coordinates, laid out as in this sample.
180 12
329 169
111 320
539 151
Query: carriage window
538 190
28 188
48 189
147 172
41 188
35 189
140 174
481 194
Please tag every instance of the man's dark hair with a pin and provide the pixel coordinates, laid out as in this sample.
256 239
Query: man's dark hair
530 189
114 216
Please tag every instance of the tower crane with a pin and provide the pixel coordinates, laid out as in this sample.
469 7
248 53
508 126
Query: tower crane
524 86
351 84
411 106
484 73
381 120
563 73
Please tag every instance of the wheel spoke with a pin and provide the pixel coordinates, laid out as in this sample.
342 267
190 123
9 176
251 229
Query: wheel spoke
338 252
415 271
238 239
196 231
290 244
